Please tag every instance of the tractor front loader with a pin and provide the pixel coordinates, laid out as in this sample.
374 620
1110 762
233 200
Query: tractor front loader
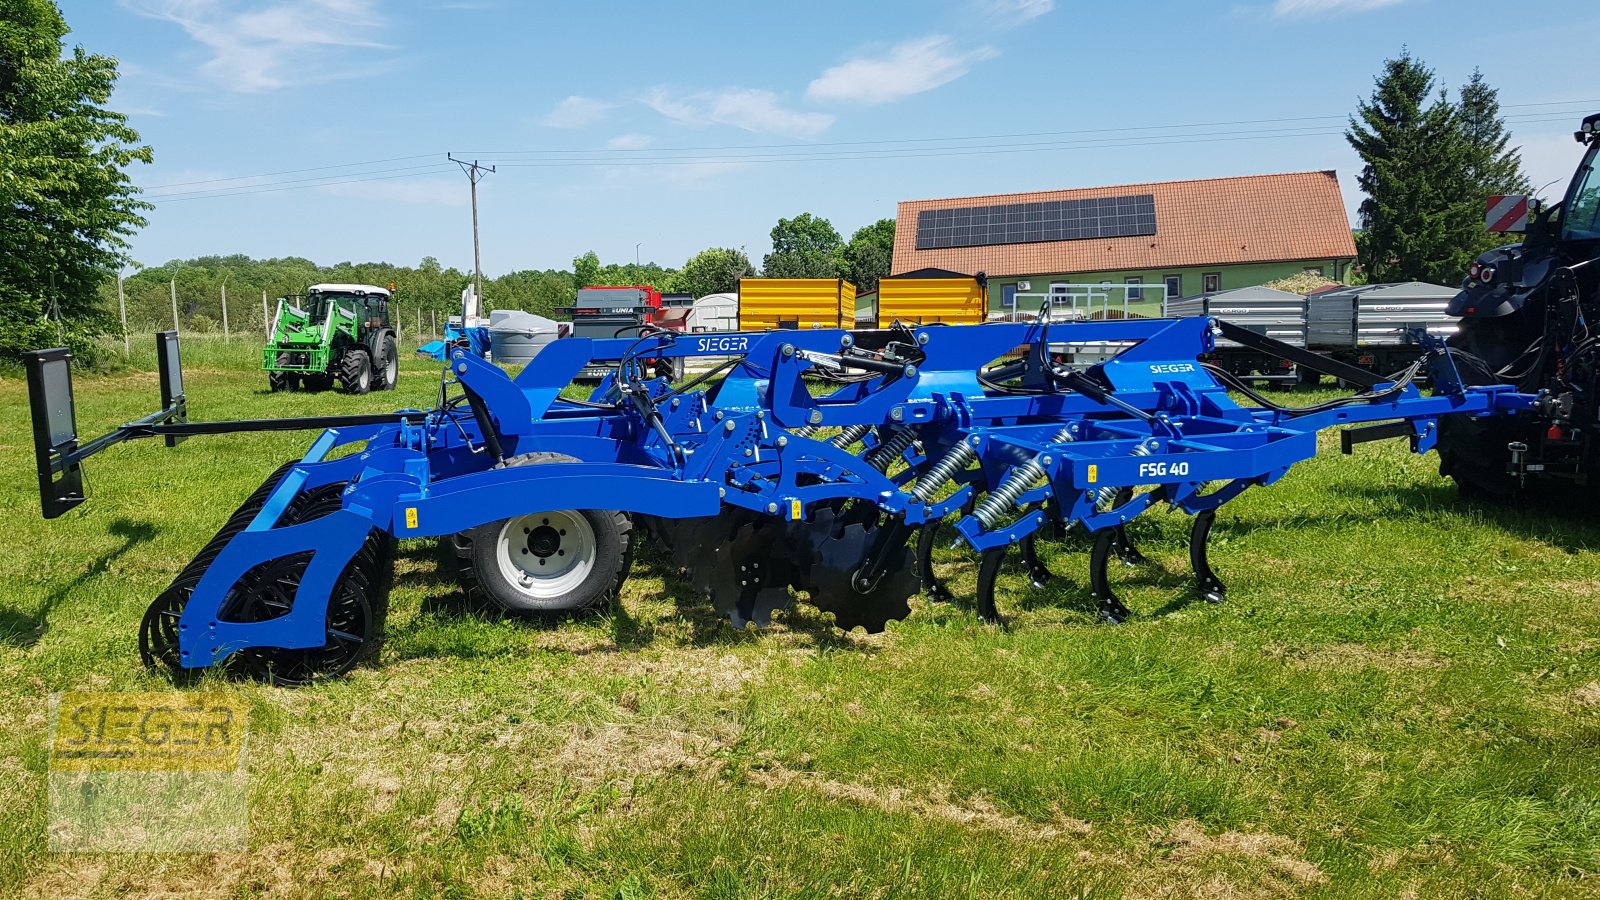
799 466
342 334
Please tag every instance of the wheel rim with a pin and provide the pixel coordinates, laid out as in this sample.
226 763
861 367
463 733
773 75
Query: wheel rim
364 378
391 369
545 556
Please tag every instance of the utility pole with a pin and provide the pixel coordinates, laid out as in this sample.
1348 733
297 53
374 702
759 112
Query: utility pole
475 174
226 336
636 253
122 307
174 285
266 323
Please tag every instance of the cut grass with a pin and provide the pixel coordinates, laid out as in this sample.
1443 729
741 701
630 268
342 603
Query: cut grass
1401 695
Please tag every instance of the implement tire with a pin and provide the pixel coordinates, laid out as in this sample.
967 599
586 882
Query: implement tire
549 564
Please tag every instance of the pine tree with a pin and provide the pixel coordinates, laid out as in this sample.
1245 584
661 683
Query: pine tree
1493 165
1414 152
1429 166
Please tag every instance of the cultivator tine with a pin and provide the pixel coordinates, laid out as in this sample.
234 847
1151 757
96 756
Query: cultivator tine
1126 552
1111 608
1212 590
988 571
932 586
1038 575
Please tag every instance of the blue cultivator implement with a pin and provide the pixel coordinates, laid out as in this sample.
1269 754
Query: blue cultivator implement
800 464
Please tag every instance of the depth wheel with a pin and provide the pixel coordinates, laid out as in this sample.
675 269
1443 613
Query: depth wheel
545 564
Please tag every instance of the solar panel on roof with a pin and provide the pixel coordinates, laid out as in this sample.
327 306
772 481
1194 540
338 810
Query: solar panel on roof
1053 220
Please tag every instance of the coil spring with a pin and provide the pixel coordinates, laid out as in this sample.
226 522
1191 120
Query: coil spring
850 435
806 430
887 452
1003 497
1108 495
960 456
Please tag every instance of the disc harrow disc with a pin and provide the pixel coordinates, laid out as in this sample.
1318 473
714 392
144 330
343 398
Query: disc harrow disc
839 543
748 576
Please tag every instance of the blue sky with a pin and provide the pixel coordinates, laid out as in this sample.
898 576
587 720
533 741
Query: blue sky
319 128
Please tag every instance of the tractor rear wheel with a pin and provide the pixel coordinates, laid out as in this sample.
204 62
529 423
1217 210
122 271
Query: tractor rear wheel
355 371
545 564
1473 451
385 360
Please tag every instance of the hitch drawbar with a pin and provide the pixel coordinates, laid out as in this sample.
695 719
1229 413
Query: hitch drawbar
768 476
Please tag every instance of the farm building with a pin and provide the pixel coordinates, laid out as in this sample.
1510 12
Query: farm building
1189 237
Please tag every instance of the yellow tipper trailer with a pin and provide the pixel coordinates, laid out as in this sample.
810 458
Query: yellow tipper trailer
769 303
951 298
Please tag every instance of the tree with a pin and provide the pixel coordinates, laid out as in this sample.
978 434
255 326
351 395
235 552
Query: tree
67 206
586 270
716 270
1493 165
1428 166
867 257
803 247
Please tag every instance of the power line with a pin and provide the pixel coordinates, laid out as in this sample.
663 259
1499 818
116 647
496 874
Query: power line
223 191
372 162
817 152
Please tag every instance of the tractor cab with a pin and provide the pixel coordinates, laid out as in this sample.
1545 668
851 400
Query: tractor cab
1554 236
369 304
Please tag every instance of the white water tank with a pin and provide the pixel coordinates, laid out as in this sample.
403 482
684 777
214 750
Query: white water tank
517 337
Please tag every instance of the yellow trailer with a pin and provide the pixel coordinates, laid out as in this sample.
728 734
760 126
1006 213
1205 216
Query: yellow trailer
954 299
769 303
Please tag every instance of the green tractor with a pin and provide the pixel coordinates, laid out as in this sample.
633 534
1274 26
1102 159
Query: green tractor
341 332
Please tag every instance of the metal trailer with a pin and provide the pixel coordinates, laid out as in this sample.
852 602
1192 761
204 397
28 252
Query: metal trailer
1379 327
754 484
779 303
1279 315
950 299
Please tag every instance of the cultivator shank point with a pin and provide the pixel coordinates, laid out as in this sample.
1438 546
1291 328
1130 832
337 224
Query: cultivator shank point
800 466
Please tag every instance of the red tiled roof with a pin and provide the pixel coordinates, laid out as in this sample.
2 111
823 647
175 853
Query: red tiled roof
1214 221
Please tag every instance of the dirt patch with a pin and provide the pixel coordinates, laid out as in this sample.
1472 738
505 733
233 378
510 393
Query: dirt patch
1352 657
1587 696
683 672
977 811
1188 841
594 755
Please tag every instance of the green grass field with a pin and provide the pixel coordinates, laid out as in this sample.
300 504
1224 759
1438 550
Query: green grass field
1401 697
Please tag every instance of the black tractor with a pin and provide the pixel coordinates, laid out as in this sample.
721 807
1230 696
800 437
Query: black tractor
1530 318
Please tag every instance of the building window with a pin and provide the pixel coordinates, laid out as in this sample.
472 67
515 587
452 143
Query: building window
1174 286
1312 270
1008 296
1211 282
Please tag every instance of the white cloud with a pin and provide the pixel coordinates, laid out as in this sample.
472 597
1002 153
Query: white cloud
631 141
909 68
279 45
1288 9
577 112
1011 13
421 192
748 108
